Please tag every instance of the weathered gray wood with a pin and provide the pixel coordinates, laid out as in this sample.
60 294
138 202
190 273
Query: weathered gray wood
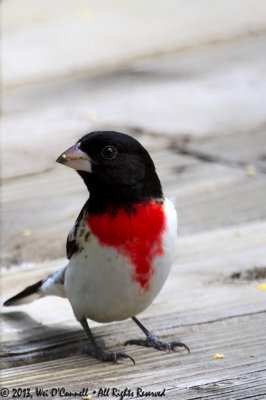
194 94
236 337
56 40
200 304
245 150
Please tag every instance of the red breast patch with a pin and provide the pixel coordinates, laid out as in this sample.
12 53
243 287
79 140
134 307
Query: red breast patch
137 236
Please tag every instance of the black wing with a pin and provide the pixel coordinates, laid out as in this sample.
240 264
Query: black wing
72 245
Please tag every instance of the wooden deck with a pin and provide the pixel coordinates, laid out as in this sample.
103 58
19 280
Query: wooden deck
198 105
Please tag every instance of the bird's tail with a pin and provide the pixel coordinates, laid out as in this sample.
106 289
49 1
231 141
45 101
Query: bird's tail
51 285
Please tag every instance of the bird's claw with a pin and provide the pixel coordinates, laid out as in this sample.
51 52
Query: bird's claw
100 354
122 355
177 343
153 341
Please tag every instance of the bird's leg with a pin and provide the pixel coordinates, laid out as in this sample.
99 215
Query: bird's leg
97 351
152 340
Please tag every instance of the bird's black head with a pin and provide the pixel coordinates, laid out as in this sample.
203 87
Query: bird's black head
116 169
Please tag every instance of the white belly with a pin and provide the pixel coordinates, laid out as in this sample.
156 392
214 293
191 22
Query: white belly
99 284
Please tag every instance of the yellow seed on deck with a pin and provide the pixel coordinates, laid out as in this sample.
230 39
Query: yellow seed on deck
217 356
72 213
262 286
251 170
92 116
27 233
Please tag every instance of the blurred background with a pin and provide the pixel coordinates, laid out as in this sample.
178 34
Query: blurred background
186 78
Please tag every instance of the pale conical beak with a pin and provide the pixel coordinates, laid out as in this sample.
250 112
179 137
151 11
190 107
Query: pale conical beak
76 159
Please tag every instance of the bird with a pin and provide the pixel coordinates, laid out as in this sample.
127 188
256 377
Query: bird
122 244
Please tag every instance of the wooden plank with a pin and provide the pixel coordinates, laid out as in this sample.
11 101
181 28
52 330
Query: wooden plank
182 375
245 150
200 304
151 95
86 36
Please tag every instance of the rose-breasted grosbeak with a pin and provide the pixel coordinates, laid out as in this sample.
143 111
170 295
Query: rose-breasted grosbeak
122 244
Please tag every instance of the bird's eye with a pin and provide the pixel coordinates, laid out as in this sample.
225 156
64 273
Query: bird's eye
109 153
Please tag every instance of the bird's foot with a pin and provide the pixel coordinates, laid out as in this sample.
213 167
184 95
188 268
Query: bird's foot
153 341
102 355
